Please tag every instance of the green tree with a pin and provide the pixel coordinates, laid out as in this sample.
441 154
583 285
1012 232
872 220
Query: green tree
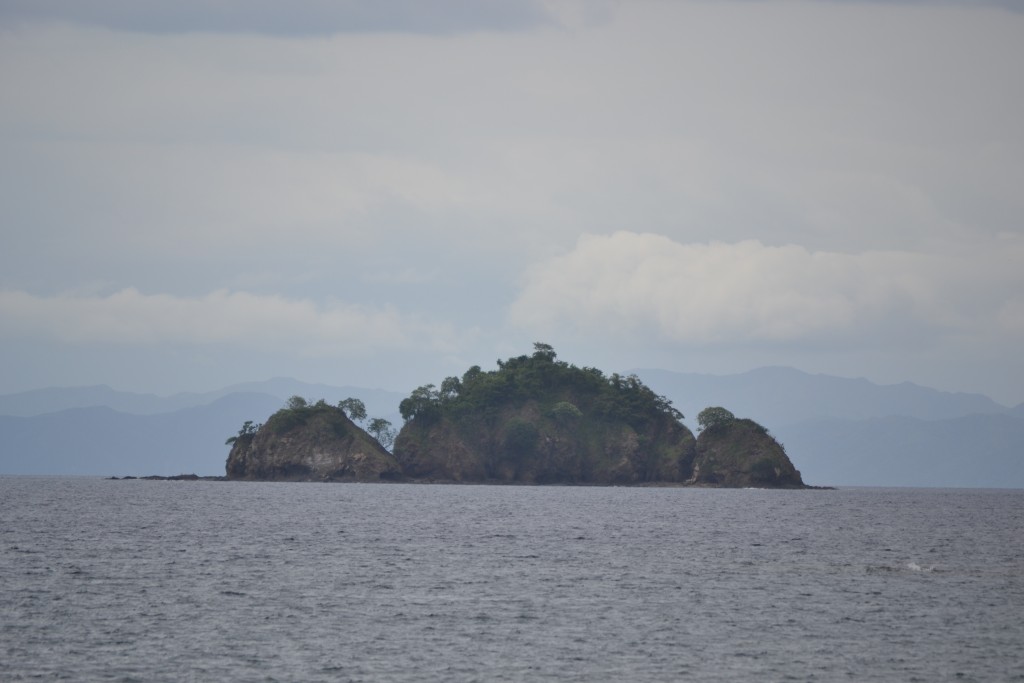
424 401
714 416
542 351
450 388
565 412
247 431
296 403
354 408
472 375
382 430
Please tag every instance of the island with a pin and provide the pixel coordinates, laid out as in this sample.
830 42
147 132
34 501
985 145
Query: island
533 420
310 442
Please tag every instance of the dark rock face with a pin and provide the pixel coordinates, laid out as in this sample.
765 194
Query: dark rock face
743 454
438 454
522 445
316 443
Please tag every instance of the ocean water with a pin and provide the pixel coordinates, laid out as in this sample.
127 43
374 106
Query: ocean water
231 581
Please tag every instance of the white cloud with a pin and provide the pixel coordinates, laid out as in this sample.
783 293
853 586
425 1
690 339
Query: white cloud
428 168
241 319
648 285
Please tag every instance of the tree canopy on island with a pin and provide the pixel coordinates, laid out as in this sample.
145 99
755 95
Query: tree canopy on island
714 417
298 410
544 378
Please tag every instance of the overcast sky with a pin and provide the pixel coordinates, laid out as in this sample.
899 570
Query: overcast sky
199 193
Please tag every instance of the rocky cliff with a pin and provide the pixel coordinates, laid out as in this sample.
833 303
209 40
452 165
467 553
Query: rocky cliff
523 444
309 443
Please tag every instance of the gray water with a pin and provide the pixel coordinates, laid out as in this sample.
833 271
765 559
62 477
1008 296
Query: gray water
230 581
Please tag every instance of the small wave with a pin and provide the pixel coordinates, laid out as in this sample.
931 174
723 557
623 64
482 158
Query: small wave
908 567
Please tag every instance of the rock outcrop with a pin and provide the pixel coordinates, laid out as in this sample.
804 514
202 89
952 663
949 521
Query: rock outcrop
310 443
741 453
538 420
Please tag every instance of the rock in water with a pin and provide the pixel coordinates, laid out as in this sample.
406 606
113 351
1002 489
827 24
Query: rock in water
539 420
310 443
741 453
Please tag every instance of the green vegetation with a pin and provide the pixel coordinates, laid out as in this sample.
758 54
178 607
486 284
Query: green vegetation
536 418
741 452
354 409
424 403
542 378
246 433
297 412
714 417
382 430
565 412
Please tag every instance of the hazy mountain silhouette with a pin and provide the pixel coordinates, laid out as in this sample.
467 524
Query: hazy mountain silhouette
100 440
970 451
43 401
852 432
837 431
777 396
51 400
122 433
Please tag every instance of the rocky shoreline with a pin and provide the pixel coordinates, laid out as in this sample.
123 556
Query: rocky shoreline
453 482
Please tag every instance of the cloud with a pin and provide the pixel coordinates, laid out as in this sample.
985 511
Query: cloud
297 18
393 167
1012 5
241 319
648 285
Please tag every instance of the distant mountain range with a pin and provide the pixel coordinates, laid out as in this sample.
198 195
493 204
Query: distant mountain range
837 431
852 432
100 431
777 396
43 401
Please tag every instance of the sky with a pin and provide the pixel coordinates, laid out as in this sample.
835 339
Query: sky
382 194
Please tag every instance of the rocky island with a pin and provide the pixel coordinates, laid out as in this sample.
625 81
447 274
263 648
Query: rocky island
534 420
309 442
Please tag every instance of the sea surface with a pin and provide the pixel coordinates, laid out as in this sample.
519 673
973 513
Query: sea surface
135 580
